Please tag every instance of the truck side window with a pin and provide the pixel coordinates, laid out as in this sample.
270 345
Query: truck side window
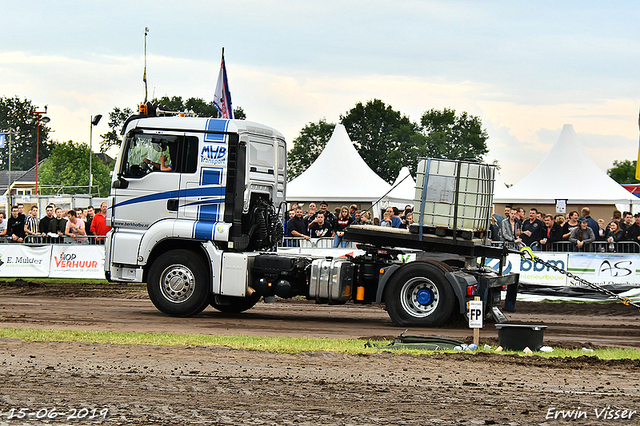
191 155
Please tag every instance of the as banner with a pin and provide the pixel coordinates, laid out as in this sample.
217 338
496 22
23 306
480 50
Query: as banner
604 268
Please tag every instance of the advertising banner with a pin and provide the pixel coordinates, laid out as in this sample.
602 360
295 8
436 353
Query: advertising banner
77 261
17 260
597 268
604 268
536 273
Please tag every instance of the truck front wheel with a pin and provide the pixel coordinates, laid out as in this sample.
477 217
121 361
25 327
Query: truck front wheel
419 295
234 305
177 283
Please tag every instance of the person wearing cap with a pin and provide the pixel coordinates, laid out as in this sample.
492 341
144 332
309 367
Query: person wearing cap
328 216
633 232
582 236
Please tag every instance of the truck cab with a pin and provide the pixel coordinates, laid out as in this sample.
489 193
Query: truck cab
222 183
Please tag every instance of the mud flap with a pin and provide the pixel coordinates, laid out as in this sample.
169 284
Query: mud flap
510 299
497 315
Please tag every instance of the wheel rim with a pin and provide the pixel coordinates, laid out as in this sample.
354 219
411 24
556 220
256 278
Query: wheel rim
177 283
419 297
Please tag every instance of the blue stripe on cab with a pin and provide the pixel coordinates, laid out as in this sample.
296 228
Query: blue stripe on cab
209 212
215 125
211 177
204 230
153 197
210 191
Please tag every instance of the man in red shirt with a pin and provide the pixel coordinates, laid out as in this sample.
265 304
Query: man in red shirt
99 223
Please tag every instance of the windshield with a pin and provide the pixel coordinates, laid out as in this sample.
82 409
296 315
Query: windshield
144 151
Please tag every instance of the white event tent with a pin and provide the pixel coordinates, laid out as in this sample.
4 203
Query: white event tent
402 194
566 173
404 189
339 176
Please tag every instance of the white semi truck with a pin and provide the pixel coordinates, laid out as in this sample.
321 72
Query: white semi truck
205 231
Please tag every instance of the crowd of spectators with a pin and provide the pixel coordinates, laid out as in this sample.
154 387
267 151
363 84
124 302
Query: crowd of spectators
543 231
82 225
314 223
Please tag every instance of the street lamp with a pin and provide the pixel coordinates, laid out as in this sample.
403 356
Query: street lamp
7 134
94 122
44 120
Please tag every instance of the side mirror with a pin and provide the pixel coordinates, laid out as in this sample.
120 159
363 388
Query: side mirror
120 184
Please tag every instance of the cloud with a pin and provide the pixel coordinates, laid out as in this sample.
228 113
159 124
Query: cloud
288 97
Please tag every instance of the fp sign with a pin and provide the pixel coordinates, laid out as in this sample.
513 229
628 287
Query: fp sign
475 314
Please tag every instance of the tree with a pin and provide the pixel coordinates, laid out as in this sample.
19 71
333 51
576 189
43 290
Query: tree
198 106
623 171
308 146
381 135
117 118
16 117
448 135
387 140
239 114
68 166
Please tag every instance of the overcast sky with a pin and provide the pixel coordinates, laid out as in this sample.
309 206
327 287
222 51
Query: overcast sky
525 68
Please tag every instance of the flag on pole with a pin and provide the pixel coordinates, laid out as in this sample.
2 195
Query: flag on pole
1 140
222 96
638 162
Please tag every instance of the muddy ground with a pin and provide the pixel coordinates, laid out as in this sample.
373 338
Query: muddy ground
144 385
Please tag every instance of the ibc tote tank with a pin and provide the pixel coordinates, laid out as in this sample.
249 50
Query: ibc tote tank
453 194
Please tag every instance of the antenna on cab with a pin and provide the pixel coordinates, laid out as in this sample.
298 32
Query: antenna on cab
144 75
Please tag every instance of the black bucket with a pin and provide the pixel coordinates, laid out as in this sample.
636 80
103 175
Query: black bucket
517 337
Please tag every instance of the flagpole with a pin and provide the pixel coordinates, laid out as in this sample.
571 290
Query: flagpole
638 161
222 95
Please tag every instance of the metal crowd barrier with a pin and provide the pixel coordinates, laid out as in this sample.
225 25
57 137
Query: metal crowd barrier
595 247
312 243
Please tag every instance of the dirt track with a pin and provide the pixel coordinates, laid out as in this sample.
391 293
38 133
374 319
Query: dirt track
159 385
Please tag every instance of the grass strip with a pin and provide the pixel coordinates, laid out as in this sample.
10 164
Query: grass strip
267 344
289 345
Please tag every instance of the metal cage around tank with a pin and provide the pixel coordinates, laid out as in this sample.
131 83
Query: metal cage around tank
453 195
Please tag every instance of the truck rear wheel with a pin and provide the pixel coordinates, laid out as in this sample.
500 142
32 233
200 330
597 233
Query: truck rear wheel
419 295
234 305
178 284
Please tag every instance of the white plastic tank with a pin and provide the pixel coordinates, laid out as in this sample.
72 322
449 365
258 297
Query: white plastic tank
454 194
